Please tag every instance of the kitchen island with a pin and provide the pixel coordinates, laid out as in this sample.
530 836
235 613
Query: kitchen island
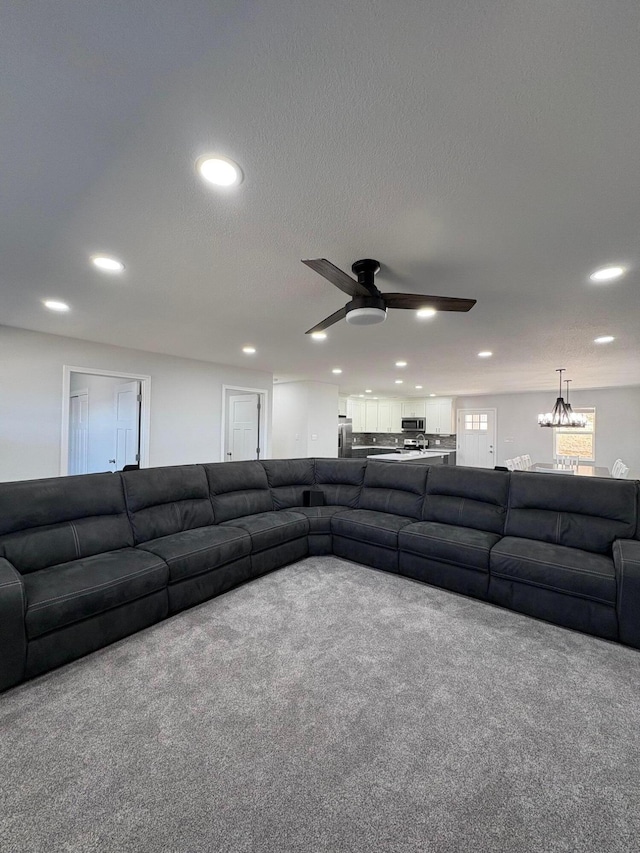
426 457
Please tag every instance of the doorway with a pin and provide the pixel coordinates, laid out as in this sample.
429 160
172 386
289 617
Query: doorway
105 420
476 438
244 423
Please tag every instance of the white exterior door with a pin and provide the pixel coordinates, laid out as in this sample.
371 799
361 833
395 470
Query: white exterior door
127 414
242 427
79 432
476 440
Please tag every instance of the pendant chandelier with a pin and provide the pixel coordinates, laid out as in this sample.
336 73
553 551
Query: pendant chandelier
562 414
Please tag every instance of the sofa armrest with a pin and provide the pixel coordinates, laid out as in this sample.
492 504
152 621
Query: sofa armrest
13 641
626 559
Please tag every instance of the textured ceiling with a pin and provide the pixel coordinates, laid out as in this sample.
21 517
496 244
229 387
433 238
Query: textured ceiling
486 150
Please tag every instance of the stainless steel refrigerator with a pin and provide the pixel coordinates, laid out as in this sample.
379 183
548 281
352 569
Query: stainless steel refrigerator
345 436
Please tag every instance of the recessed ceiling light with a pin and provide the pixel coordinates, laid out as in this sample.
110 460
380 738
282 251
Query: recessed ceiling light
319 336
219 170
375 398
54 305
432 395
398 381
418 387
107 264
401 363
607 274
337 370
485 354
249 350
423 313
360 395
367 390
604 339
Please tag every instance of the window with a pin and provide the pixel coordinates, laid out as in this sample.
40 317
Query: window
476 421
577 442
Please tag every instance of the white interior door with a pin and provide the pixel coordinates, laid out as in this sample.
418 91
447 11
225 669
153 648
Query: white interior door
476 438
79 432
127 414
243 419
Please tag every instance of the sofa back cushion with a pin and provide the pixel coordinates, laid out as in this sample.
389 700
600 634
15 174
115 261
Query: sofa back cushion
288 479
467 497
571 510
340 480
395 487
46 522
168 500
237 489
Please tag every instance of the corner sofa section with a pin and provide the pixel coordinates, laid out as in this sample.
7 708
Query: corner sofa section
87 560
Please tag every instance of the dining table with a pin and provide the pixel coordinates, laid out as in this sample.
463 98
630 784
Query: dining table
583 469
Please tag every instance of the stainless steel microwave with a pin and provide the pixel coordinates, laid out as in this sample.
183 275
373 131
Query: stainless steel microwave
414 424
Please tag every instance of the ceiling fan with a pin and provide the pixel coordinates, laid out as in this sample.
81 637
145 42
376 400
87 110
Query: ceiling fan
368 305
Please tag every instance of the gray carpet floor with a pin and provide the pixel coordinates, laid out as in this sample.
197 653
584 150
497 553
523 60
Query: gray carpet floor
329 707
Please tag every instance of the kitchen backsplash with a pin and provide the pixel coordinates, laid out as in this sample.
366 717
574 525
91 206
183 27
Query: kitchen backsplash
447 442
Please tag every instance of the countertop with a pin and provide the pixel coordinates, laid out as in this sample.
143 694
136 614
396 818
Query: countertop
411 456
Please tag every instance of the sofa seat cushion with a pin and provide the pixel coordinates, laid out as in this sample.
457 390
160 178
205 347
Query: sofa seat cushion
193 552
319 516
269 529
69 592
371 526
460 546
555 567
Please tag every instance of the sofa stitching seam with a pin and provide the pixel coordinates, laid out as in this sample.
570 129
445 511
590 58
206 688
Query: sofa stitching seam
549 586
192 553
42 604
556 565
76 539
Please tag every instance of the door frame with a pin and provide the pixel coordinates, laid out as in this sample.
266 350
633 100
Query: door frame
477 410
145 410
264 424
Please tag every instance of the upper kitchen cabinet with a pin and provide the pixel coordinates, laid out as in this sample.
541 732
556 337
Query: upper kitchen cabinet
356 411
389 416
371 417
413 409
342 406
440 414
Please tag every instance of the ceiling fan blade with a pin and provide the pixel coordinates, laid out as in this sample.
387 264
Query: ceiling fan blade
337 277
329 321
415 301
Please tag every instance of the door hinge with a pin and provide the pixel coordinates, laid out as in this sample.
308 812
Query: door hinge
139 398
137 457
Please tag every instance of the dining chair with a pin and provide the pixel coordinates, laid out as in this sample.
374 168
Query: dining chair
526 460
509 465
623 472
568 461
517 461
617 465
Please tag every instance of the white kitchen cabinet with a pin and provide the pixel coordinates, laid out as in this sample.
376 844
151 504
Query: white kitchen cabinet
389 416
413 409
355 411
342 406
371 416
384 416
439 416
395 417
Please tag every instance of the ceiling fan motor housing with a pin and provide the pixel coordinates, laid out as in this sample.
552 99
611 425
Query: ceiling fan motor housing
366 310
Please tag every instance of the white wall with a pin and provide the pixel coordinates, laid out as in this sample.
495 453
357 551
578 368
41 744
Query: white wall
617 424
305 420
186 400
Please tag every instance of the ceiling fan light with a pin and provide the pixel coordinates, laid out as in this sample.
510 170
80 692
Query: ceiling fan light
366 316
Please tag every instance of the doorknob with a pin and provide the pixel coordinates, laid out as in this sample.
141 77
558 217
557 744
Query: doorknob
229 453
112 461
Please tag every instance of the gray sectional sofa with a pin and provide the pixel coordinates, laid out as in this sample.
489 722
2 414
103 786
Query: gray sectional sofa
87 560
